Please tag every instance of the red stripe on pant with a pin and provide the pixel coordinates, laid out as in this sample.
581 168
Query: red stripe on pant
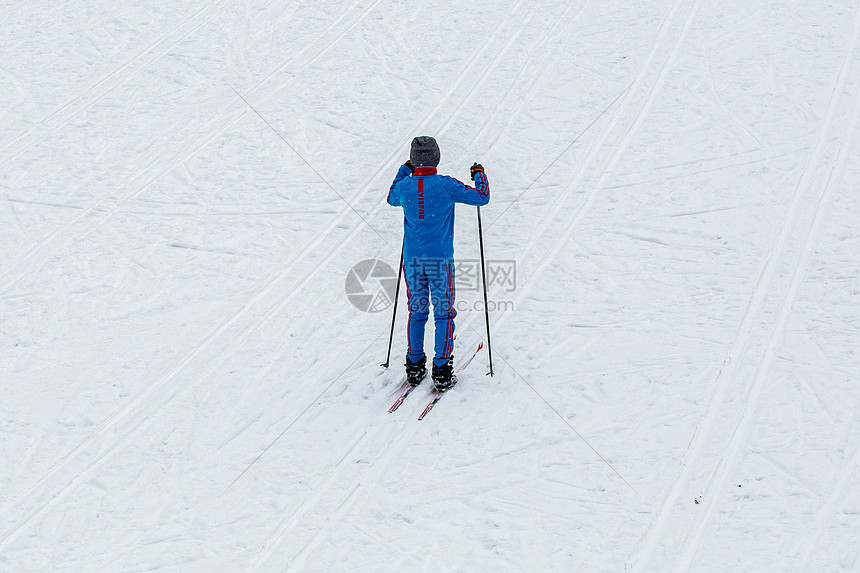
449 297
408 320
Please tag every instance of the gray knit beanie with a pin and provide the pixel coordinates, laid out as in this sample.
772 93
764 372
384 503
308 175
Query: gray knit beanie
424 152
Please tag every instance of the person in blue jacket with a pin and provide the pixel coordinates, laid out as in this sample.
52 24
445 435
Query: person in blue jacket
428 199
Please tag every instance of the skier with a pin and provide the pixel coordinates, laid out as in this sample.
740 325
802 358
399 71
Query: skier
428 199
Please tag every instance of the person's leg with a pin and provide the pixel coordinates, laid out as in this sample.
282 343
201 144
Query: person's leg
418 297
443 294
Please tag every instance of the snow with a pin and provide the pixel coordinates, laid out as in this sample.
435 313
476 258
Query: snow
186 387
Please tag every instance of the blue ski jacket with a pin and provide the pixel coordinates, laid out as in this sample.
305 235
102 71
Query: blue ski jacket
428 202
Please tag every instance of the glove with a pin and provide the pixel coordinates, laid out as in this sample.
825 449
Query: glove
409 165
476 167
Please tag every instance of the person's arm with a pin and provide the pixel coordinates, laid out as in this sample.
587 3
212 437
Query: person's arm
402 173
462 193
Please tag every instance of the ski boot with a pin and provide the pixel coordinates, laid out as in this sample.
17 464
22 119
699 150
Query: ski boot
443 376
416 371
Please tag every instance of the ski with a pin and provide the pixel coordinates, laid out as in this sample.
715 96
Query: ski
469 360
437 395
406 391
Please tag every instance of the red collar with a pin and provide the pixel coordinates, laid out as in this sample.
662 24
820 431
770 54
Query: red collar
424 171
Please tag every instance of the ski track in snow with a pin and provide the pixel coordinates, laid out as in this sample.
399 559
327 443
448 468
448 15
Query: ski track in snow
142 181
345 486
818 208
752 320
629 131
142 404
120 75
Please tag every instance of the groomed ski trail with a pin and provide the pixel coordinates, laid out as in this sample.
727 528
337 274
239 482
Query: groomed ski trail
744 339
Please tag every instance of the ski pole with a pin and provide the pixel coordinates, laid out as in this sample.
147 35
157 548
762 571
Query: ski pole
394 314
484 278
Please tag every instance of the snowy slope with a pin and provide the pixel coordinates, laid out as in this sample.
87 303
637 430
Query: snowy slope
186 387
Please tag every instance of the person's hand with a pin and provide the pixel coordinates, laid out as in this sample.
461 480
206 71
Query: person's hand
409 165
476 167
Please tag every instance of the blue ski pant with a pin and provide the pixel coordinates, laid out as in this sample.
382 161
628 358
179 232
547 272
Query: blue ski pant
430 281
